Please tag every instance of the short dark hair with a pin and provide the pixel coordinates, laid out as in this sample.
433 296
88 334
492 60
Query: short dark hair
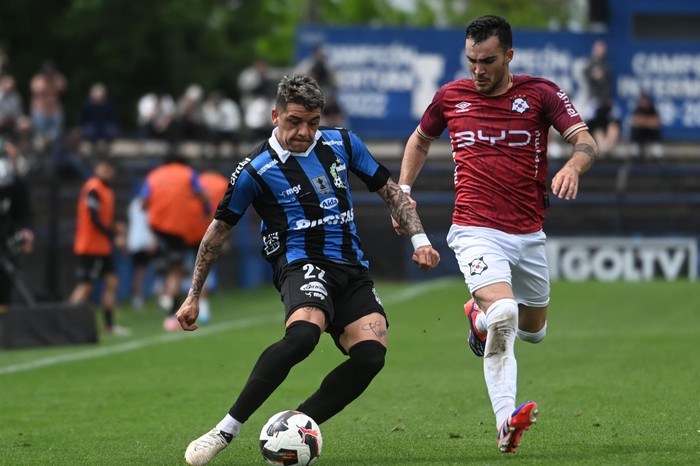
484 27
299 89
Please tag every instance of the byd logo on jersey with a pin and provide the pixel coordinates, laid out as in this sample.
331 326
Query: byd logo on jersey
512 138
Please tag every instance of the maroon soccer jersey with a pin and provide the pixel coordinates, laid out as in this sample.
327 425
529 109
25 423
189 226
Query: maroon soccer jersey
499 145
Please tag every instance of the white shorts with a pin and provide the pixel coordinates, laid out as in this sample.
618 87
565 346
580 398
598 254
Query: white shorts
488 256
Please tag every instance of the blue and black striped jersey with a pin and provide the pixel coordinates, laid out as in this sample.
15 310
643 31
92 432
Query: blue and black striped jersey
304 199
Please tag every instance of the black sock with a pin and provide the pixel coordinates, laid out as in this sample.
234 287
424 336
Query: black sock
176 305
346 382
109 317
273 366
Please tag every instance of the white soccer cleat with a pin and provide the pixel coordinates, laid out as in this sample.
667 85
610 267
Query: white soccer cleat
202 450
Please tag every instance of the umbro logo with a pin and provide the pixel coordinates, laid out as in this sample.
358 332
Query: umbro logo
462 107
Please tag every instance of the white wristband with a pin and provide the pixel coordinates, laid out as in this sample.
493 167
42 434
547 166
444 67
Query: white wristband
420 240
405 188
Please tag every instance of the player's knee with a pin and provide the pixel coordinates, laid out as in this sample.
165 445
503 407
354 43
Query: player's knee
535 337
502 314
369 355
301 338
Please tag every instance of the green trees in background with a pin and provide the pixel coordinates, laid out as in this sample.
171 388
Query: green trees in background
139 46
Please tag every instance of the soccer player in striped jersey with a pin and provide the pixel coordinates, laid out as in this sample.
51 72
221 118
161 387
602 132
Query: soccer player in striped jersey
498 125
297 181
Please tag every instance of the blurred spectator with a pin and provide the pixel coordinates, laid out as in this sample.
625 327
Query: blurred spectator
156 116
255 81
258 118
4 62
604 125
190 120
317 66
16 234
332 114
646 128
98 117
167 191
12 117
598 73
600 112
46 108
68 161
214 185
258 92
96 233
222 118
141 244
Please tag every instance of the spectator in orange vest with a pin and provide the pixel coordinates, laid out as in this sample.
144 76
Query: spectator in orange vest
167 194
96 233
215 186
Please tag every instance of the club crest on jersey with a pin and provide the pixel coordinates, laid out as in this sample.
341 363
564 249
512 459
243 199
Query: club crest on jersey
477 266
462 107
321 185
336 168
520 105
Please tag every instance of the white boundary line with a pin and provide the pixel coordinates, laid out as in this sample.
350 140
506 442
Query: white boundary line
394 298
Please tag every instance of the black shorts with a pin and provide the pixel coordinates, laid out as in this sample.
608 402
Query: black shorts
344 292
141 258
172 250
92 268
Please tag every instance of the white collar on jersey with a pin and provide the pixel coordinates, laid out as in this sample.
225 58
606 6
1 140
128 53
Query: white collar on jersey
284 154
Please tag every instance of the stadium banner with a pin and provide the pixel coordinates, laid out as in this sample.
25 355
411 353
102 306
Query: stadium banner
387 76
622 259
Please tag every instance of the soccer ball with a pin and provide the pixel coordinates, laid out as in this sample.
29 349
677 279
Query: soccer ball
291 438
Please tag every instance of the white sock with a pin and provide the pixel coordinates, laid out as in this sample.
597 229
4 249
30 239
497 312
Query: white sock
533 337
204 309
229 425
500 366
481 324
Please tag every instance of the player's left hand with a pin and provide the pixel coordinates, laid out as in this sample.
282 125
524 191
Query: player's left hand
565 183
426 257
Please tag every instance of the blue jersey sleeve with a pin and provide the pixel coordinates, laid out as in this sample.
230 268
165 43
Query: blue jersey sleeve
241 193
364 165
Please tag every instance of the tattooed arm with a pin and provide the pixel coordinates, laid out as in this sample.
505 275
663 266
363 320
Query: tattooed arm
401 208
209 250
565 182
404 213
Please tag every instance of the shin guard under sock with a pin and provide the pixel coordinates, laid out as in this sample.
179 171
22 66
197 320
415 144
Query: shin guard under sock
274 365
346 382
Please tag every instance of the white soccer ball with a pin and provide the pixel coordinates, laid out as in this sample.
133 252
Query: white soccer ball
291 438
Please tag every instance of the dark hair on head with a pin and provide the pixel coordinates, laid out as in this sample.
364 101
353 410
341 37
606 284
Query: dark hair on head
299 89
484 27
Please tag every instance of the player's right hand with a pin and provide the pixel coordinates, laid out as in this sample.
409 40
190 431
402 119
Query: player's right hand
188 313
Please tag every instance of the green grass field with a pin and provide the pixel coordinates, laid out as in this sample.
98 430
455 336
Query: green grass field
616 380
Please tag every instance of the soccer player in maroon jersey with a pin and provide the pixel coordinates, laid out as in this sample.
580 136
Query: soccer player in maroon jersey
498 125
